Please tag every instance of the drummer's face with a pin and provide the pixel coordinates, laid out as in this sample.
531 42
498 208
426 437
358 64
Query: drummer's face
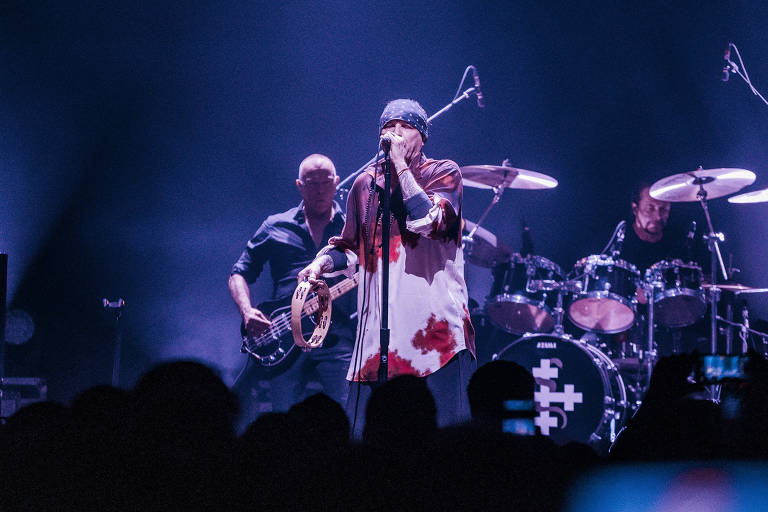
651 215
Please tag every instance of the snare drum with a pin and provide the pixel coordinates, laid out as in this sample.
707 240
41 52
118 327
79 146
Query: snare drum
606 301
580 395
513 305
679 299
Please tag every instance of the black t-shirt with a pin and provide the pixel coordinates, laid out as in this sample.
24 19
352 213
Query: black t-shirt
643 254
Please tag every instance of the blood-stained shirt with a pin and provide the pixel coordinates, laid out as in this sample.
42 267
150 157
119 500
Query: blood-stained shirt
428 316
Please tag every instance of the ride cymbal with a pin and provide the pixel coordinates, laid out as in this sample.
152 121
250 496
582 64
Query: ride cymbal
685 187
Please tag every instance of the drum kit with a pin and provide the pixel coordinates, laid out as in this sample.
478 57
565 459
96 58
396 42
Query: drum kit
585 388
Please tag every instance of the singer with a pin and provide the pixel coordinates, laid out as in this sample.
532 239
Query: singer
431 333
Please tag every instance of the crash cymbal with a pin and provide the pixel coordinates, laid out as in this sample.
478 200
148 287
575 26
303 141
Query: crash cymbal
758 196
684 187
490 176
485 249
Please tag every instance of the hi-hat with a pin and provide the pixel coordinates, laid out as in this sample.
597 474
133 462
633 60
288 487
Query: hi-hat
492 176
685 187
484 249
758 196
736 288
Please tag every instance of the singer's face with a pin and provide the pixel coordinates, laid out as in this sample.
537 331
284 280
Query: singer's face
651 215
412 136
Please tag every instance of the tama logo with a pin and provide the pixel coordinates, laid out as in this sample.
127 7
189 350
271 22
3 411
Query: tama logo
546 344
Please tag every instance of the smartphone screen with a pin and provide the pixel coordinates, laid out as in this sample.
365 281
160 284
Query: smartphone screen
518 418
715 368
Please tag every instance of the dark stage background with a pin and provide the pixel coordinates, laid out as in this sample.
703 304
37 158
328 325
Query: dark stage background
143 143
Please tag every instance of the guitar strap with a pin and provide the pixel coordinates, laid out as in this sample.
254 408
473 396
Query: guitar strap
324 314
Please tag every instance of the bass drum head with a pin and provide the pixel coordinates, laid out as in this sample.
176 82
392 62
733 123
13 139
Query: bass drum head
579 395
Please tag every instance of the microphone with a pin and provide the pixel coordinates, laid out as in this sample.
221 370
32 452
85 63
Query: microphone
729 68
385 142
689 241
478 92
527 248
620 232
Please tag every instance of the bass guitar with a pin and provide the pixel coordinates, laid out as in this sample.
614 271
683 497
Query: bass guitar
271 347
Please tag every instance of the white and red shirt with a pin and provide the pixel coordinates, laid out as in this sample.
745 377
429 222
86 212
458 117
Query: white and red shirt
428 316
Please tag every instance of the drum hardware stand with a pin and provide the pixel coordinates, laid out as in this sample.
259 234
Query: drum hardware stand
469 239
559 312
713 240
650 353
744 329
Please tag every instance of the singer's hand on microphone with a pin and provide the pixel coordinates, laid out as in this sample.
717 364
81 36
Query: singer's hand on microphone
397 151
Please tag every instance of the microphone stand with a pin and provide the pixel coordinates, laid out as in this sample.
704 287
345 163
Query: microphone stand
385 231
3 310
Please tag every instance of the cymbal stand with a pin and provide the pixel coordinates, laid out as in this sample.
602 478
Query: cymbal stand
716 257
469 239
713 240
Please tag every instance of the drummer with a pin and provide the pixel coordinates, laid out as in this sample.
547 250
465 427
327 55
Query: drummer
647 242
651 240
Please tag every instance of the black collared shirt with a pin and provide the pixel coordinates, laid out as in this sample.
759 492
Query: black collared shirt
284 241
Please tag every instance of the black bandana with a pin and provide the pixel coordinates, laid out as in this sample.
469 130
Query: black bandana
406 110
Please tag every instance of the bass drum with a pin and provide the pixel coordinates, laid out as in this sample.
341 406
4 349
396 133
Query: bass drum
580 395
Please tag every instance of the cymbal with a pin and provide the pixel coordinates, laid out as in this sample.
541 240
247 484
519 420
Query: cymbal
490 176
758 196
732 287
684 187
485 249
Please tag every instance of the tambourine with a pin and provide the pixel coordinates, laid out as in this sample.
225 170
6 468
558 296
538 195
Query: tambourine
321 303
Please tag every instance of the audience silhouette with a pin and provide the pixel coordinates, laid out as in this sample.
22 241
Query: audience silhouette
170 443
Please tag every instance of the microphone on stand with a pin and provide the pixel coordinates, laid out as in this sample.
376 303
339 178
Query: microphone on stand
620 233
478 92
729 68
385 142
527 248
689 240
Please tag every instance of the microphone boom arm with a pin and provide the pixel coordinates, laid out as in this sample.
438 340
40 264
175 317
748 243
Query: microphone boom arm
742 72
